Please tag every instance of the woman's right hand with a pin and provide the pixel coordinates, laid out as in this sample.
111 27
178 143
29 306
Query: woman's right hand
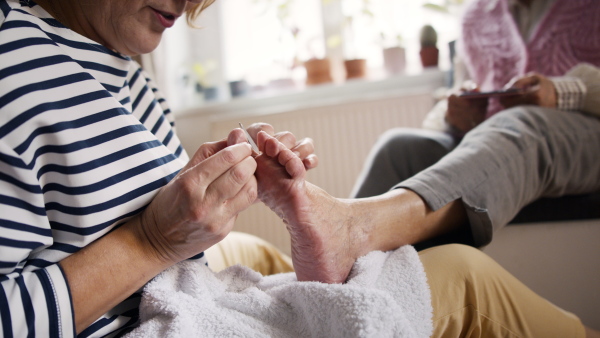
465 114
198 207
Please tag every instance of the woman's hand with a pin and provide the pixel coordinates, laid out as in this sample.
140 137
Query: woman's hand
538 90
304 148
465 114
199 206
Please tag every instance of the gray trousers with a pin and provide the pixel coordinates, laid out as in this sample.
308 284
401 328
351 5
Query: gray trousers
510 160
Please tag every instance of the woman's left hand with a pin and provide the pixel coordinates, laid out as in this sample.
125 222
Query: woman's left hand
303 148
537 89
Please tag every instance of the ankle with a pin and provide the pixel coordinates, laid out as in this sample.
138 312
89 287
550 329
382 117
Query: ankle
360 225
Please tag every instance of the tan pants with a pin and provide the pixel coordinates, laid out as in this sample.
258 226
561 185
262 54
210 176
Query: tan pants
472 296
250 251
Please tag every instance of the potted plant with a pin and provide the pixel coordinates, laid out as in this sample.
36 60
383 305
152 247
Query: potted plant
429 51
394 58
448 8
356 66
318 67
205 73
318 71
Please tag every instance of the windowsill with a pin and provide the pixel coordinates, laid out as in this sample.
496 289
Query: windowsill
322 95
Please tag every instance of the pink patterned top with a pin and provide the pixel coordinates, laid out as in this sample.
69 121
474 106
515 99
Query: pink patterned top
494 50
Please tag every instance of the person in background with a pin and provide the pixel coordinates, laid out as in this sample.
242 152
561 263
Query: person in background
494 156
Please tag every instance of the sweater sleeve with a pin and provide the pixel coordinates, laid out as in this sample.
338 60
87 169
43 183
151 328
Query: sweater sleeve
579 89
34 294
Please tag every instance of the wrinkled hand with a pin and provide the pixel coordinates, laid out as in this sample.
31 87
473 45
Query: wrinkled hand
199 206
465 114
538 90
304 148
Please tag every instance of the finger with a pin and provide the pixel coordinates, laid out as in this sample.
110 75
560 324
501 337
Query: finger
519 100
247 196
507 102
206 172
469 86
512 81
236 136
457 101
255 128
526 82
460 119
304 148
456 106
287 138
231 182
310 162
205 151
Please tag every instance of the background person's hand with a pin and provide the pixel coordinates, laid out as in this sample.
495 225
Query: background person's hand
465 114
538 91
199 206
303 148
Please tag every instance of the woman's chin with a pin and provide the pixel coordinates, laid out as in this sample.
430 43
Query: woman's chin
139 46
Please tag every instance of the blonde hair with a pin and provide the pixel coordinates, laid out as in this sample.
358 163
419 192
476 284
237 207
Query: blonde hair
195 11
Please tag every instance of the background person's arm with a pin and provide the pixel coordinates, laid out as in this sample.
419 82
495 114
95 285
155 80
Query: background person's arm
579 89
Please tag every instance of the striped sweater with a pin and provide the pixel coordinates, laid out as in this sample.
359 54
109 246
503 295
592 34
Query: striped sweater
85 143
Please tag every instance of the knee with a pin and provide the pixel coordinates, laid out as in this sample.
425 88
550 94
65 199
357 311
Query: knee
522 119
406 141
467 259
396 138
460 263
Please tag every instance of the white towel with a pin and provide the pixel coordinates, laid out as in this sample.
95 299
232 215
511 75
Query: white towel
386 295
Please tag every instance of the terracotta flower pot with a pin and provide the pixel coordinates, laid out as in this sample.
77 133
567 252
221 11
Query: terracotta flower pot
317 71
356 68
429 56
394 60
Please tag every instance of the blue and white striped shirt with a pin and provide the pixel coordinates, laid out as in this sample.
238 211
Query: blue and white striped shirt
85 143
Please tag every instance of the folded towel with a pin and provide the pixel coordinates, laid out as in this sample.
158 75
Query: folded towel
386 295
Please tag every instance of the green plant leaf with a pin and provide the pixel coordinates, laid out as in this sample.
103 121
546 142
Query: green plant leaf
436 8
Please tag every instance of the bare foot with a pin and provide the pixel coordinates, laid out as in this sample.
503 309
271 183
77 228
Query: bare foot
324 242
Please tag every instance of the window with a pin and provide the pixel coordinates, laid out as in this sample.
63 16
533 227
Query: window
261 42
372 25
265 40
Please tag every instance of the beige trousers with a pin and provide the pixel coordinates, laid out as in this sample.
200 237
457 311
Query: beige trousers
472 296
250 251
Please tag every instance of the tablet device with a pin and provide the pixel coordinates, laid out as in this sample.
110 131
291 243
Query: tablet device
495 93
